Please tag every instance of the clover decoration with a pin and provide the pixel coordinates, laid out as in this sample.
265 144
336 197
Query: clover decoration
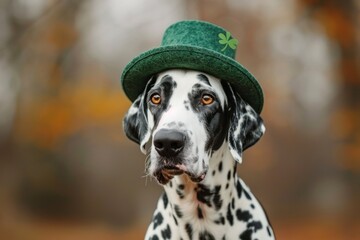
225 40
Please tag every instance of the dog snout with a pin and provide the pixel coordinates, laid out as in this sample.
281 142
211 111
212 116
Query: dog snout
169 143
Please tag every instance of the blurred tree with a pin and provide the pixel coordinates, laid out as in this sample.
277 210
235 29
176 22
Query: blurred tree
63 98
341 22
62 95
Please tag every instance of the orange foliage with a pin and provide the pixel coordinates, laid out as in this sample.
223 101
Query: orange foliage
337 23
60 35
48 120
351 157
341 24
344 123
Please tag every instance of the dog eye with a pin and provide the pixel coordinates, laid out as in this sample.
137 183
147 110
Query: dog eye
207 99
155 99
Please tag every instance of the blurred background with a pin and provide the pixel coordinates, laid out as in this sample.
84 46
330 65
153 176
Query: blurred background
68 172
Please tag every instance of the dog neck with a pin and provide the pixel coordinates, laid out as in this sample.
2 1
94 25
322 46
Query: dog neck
210 199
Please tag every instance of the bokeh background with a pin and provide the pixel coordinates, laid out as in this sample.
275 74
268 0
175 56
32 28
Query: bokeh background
68 172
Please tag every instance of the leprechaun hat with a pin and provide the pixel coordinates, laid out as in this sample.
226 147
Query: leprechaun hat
195 45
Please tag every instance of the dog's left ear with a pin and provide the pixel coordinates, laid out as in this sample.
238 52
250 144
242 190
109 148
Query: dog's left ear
135 123
245 125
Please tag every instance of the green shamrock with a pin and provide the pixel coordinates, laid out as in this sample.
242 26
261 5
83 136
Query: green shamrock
225 40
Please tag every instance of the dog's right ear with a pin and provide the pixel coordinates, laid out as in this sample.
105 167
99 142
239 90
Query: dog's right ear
135 123
245 126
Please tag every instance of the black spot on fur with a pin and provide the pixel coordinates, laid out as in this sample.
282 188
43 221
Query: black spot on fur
229 216
203 194
238 189
233 203
166 233
246 235
165 200
244 216
200 213
268 231
154 237
187 105
203 78
256 225
189 230
217 200
252 206
157 220
175 220
168 80
209 197
221 220
206 236
229 175
180 193
227 186
220 166
247 195
177 211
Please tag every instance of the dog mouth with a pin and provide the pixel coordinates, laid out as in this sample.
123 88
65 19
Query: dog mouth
165 173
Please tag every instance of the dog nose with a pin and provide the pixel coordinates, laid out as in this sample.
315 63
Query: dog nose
169 143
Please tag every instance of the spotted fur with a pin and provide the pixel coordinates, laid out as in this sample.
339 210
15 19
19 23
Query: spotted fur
192 147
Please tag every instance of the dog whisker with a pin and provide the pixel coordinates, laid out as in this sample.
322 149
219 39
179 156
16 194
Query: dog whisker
147 163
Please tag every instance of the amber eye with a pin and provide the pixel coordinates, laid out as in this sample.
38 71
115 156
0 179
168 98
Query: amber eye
155 99
207 99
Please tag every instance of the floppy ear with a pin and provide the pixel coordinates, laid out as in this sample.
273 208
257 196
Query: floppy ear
135 123
245 126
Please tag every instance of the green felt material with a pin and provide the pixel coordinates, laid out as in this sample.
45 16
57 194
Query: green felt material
194 45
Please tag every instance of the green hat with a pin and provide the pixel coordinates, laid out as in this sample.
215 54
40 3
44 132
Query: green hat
194 45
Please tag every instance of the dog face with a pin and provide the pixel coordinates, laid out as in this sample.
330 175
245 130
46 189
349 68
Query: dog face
186 116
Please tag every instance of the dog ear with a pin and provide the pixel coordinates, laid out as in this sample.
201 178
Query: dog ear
245 125
135 123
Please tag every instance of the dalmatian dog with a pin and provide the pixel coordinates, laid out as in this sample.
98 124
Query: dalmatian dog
194 128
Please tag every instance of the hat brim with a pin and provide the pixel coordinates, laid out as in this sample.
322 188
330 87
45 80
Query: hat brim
137 73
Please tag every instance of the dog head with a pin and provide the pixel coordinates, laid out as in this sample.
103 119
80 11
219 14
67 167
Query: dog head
184 117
